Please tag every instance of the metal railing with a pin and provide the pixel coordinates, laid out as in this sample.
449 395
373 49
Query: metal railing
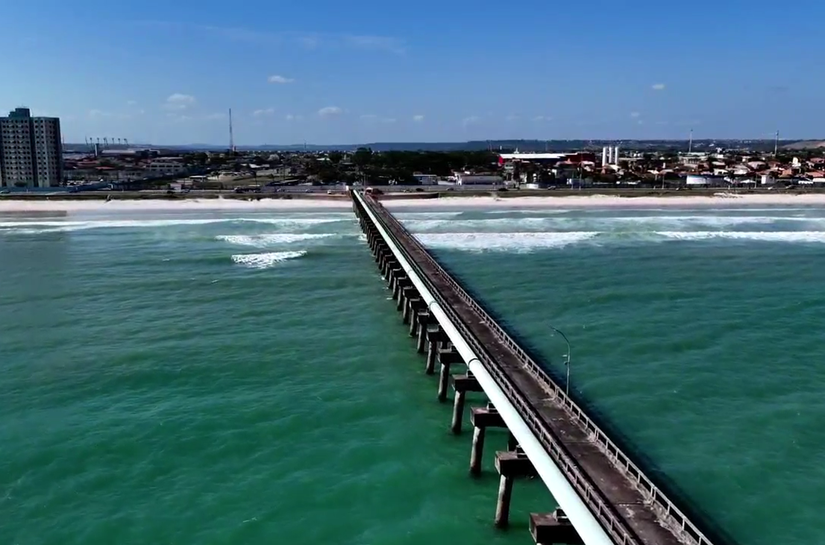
676 521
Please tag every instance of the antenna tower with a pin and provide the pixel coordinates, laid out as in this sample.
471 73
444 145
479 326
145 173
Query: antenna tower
231 135
776 144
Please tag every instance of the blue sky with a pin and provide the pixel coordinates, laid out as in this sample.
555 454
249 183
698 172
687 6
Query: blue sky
347 72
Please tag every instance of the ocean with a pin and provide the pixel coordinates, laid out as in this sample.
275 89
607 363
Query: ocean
240 377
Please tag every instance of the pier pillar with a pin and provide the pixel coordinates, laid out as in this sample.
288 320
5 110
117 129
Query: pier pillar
482 418
446 359
477 450
458 411
432 352
414 316
505 494
410 311
510 465
512 442
553 527
424 321
462 384
405 293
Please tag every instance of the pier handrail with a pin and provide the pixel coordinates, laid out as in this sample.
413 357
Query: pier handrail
676 520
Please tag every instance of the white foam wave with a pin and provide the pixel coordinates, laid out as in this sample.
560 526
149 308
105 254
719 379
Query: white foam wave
266 260
512 242
68 226
582 223
767 236
265 240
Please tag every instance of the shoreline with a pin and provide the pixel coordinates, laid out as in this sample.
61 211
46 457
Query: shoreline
397 201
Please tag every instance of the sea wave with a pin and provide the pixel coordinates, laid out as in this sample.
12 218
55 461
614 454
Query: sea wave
266 240
766 236
266 260
587 223
503 241
34 227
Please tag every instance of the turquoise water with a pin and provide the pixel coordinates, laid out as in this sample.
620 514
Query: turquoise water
240 377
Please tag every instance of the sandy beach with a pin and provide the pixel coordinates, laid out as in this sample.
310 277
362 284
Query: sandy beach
572 202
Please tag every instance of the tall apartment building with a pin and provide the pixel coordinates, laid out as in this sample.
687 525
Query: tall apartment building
31 150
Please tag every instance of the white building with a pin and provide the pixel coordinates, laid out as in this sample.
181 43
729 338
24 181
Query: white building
426 179
166 165
477 179
31 151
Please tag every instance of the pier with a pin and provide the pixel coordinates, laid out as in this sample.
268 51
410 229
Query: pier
603 496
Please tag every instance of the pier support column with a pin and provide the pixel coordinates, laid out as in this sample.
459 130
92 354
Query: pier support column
553 527
409 311
482 418
425 319
414 317
433 339
512 443
458 412
505 494
405 293
446 359
398 284
510 465
462 384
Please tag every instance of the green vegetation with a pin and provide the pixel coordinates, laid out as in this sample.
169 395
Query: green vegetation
382 168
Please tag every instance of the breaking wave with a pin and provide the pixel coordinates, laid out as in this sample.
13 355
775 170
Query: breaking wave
35 227
266 260
503 241
766 236
265 240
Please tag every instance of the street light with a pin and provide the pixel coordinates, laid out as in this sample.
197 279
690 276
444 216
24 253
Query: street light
567 361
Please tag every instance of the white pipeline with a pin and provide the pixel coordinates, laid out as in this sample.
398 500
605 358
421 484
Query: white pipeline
580 516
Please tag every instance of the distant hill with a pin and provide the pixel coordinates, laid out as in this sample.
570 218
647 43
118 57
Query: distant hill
503 145
805 144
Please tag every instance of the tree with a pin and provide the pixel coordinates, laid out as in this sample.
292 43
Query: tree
335 157
362 157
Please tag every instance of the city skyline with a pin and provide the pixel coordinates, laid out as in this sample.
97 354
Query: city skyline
369 73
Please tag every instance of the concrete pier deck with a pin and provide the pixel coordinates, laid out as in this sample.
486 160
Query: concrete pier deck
627 504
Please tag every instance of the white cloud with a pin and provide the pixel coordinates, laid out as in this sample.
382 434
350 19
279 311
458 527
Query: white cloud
293 117
280 79
264 112
179 101
306 40
542 118
470 120
215 116
640 122
100 114
378 118
512 117
330 111
130 102
418 118
658 86
379 43
635 115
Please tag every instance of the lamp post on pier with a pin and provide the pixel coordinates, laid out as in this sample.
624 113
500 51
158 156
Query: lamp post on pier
568 357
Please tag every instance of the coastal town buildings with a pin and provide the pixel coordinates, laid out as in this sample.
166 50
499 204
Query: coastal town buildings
31 153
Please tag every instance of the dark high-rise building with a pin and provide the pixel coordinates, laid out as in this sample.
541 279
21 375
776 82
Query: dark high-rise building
31 150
